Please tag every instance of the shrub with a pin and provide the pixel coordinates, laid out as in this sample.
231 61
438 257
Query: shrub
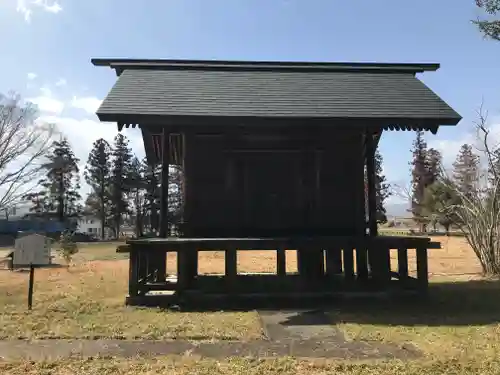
67 246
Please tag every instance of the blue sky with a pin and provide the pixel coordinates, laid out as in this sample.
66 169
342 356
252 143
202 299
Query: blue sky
48 46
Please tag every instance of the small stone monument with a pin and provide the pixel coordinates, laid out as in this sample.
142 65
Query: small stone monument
32 249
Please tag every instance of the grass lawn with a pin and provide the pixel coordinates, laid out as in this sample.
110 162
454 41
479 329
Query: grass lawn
87 301
98 251
461 322
458 330
240 366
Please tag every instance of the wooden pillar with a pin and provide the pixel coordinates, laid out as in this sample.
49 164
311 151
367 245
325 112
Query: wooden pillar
371 180
165 161
188 171
160 258
182 269
281 261
231 272
187 229
133 277
310 260
192 264
422 269
403 265
348 264
360 243
379 258
333 261
142 268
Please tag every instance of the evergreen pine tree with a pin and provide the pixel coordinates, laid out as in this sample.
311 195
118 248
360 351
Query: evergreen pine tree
466 170
420 177
61 184
381 188
175 194
97 175
438 199
494 168
152 174
433 166
120 181
40 205
138 194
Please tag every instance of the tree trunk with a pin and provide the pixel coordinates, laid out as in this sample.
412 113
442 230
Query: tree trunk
117 227
102 218
60 207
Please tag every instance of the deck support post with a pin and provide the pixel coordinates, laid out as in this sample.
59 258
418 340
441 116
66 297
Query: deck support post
281 262
349 264
403 266
241 287
133 277
333 261
311 263
422 269
231 270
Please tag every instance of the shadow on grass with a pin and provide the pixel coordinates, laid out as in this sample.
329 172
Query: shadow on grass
448 303
466 303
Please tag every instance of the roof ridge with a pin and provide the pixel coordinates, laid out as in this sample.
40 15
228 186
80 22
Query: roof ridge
122 64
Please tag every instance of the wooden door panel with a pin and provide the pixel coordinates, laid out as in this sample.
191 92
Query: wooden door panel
271 192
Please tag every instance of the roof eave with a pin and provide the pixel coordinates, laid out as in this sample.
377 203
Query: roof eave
136 119
120 64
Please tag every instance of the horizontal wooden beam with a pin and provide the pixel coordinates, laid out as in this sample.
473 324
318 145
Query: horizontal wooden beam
209 121
208 244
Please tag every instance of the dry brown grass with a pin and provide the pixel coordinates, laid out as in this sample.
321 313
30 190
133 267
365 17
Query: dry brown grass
242 366
461 320
458 329
88 301
455 261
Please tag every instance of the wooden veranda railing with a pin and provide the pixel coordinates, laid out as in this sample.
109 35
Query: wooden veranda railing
326 264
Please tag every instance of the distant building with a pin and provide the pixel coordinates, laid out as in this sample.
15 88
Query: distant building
15 212
90 225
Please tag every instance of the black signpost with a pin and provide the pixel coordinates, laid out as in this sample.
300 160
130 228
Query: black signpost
30 286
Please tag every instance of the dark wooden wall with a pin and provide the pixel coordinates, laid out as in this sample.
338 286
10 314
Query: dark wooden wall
274 183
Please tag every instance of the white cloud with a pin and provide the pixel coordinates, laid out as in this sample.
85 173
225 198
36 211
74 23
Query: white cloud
26 7
61 82
48 104
449 148
31 76
46 91
55 7
89 104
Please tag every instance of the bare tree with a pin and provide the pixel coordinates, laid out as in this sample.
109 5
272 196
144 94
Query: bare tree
24 143
403 190
478 212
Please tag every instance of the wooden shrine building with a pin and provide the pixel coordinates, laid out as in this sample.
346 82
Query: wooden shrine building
273 156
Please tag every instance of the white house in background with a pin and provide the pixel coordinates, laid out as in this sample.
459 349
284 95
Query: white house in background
15 212
89 225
